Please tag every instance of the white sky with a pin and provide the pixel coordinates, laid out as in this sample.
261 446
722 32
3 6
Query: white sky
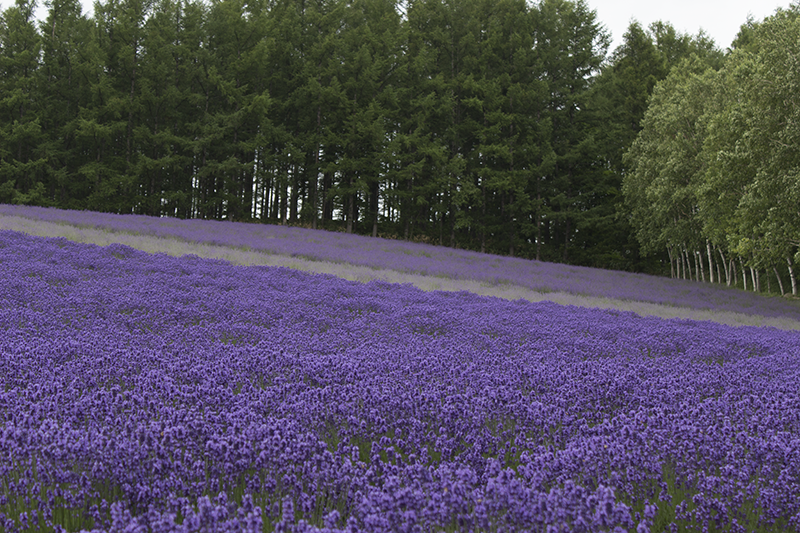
720 19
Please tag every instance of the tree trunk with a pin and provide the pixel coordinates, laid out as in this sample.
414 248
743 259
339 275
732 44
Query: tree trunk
483 216
726 266
295 194
351 211
284 200
314 181
710 262
538 218
791 276
780 283
744 273
266 190
511 167
440 219
374 194
452 219
408 212
671 264
512 230
327 202
699 258
273 193
753 279
735 272
685 261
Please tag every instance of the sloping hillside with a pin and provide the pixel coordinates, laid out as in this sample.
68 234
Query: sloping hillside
426 266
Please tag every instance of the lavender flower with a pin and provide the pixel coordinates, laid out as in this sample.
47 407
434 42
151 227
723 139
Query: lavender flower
152 393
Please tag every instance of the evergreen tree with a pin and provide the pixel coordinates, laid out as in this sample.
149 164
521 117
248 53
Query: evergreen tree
237 43
432 166
368 58
109 126
68 59
507 94
23 157
493 125
573 48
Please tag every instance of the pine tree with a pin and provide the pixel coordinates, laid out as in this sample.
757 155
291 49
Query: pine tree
506 90
422 160
68 60
574 47
23 161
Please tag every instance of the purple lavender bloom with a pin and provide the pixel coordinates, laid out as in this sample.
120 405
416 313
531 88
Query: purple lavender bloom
150 393
425 259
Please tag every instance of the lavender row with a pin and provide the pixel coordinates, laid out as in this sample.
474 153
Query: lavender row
151 393
429 260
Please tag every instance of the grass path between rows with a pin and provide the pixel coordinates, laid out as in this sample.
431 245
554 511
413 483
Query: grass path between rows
177 247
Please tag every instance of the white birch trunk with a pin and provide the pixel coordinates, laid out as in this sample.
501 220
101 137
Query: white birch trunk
780 283
687 271
710 262
726 266
684 260
699 258
744 273
791 276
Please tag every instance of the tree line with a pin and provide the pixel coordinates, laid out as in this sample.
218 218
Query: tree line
494 125
714 175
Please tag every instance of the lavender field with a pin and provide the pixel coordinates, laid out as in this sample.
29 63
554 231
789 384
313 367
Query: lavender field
434 261
145 392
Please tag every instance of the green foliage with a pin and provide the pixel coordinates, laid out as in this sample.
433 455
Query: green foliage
665 167
23 156
716 160
498 126
753 183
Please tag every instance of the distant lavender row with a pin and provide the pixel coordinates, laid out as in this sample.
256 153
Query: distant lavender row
430 260
151 393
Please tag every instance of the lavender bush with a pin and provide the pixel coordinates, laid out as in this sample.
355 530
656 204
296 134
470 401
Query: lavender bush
429 260
239 256
150 393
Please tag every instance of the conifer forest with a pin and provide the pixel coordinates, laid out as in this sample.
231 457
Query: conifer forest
499 126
